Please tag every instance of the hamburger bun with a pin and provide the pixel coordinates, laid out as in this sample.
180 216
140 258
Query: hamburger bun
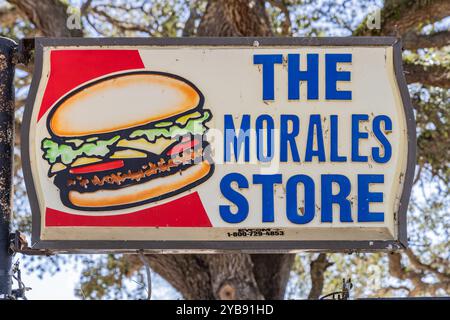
158 188
155 96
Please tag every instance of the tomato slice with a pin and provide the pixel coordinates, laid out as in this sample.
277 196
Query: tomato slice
183 146
98 167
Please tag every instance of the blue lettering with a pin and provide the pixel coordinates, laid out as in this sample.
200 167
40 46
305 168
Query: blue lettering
357 135
267 182
315 125
243 137
332 76
260 130
235 197
287 137
328 198
268 62
365 197
334 154
311 76
291 199
376 125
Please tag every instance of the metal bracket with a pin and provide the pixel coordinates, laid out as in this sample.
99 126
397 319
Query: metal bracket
18 244
344 294
149 276
17 275
18 293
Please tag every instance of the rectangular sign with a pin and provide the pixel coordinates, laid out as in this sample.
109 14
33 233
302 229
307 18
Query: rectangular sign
212 144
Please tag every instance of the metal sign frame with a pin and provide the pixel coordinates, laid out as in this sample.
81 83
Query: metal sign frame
265 246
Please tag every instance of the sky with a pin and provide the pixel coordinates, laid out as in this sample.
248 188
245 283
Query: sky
63 284
60 286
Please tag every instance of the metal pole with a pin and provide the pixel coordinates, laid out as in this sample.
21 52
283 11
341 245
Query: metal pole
7 50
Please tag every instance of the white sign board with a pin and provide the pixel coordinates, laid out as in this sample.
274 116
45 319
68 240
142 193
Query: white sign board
211 144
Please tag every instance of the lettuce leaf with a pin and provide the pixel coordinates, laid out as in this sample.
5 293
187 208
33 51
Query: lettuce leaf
193 126
68 153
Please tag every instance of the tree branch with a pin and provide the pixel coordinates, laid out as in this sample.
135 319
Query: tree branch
317 271
397 270
435 75
400 16
85 7
386 290
414 41
123 26
415 261
189 26
287 23
8 15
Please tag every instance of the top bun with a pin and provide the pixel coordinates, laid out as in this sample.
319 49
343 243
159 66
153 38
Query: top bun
122 101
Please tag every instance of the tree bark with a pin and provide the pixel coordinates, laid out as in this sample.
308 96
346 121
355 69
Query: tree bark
187 273
272 273
223 276
232 277
235 18
401 16
49 16
404 15
434 75
414 41
317 272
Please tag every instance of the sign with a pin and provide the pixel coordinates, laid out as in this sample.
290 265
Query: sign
210 144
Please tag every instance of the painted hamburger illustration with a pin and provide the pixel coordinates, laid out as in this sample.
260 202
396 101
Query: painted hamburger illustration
127 139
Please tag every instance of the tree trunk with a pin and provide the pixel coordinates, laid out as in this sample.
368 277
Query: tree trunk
229 276
235 18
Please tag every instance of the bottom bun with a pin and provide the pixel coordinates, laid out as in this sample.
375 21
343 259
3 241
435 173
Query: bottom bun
158 188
